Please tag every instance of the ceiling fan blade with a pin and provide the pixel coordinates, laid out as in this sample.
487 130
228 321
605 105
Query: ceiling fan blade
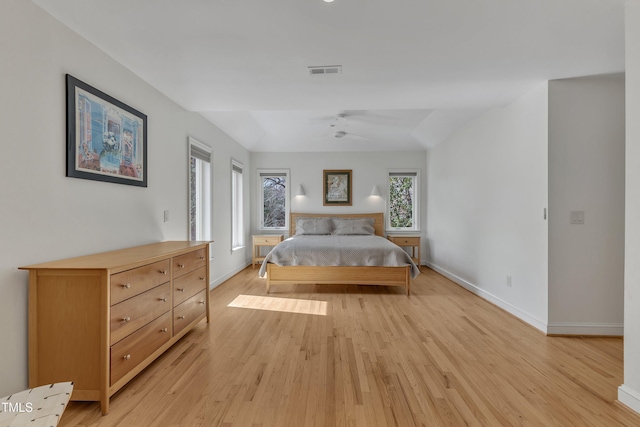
354 137
370 116
322 119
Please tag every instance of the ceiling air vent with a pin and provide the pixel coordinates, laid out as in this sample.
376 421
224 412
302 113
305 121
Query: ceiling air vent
326 69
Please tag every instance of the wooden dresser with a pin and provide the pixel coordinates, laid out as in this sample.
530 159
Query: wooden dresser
99 320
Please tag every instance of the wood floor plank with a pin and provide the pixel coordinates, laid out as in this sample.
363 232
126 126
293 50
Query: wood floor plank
369 356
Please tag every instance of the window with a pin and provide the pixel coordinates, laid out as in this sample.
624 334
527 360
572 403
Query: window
403 200
199 191
273 203
237 227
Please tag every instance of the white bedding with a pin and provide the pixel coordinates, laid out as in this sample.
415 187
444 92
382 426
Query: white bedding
338 250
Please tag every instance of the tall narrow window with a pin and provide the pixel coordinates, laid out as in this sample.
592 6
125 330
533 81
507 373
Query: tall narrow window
237 228
403 200
199 191
273 194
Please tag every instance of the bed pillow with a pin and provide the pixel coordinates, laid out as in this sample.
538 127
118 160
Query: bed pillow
310 226
353 226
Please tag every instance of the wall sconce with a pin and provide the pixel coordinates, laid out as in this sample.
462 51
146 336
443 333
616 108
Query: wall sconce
375 191
300 191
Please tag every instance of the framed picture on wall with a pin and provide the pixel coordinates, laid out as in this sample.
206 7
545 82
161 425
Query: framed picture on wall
336 187
106 139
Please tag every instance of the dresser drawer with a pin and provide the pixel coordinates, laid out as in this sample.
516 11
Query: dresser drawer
132 314
188 285
135 348
133 282
189 311
188 262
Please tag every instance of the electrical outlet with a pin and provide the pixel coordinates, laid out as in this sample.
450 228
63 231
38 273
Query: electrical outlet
166 216
509 281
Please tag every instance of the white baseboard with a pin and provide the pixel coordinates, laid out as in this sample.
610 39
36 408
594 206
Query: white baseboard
579 328
509 308
629 397
213 284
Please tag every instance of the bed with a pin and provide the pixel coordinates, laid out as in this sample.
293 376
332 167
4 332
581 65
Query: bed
349 253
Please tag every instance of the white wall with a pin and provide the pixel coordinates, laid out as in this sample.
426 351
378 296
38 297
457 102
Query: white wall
369 169
586 173
629 392
486 189
46 216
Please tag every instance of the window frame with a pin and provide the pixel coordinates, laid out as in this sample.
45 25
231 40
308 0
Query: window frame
237 206
287 204
415 175
205 154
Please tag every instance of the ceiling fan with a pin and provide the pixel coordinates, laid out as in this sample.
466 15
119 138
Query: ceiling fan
362 117
339 126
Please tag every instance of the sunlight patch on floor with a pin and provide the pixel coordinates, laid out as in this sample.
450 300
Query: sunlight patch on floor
287 305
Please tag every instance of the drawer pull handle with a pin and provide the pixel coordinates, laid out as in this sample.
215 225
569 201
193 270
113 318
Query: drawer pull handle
180 289
201 258
164 299
126 285
180 317
164 330
202 302
202 278
127 357
126 319
163 272
181 265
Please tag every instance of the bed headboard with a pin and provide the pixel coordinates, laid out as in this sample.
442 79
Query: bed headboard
378 220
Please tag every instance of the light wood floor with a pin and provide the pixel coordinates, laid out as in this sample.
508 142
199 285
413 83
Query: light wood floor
441 357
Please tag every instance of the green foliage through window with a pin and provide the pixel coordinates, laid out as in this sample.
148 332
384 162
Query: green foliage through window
401 200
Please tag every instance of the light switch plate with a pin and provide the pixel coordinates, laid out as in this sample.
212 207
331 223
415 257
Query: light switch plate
577 217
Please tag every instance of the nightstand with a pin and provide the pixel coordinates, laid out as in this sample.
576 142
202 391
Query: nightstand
263 240
409 241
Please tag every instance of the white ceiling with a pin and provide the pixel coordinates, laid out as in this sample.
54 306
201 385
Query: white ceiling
413 70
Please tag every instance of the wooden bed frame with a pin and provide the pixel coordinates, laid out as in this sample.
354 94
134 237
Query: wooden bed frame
348 275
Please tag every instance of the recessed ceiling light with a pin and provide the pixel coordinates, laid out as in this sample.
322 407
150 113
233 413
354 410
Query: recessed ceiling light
328 1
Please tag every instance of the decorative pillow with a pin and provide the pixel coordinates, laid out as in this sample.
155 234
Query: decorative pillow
359 226
313 226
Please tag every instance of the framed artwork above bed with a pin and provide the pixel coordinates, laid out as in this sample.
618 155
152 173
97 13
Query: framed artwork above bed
336 187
